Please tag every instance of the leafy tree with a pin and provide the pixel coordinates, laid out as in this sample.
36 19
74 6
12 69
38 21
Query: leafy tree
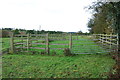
16 31
7 29
99 23
79 32
30 31
107 15
91 25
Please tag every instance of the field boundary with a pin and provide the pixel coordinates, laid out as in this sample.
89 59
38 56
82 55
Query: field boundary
107 40
29 38
25 42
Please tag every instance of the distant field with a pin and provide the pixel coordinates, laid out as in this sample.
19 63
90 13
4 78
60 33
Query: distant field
58 66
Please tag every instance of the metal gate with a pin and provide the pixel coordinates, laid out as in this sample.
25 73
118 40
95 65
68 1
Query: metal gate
84 44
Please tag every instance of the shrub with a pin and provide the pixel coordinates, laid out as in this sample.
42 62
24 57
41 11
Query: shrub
67 52
53 53
45 41
51 40
43 52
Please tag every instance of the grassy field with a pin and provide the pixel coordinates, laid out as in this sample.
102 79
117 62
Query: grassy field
38 66
5 43
58 66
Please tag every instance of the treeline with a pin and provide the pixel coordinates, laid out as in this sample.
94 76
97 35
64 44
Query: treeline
18 31
105 19
6 32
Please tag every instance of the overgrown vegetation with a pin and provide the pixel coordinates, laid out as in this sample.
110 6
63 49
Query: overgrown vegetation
67 52
106 20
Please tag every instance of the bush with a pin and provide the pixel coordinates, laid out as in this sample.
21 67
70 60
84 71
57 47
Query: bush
45 41
5 33
67 52
51 40
43 52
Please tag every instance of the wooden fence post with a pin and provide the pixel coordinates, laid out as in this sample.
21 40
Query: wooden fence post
102 38
36 34
22 40
106 38
99 36
110 41
117 40
70 42
47 43
94 37
77 36
28 42
11 43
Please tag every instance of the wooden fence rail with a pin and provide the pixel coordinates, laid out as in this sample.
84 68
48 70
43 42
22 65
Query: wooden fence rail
105 39
26 41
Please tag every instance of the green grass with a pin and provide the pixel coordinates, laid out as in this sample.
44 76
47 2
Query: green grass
58 66
38 66
5 43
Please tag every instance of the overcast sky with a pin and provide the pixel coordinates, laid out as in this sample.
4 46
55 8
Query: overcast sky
58 15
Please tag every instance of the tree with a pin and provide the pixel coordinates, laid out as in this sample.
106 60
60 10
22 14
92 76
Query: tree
91 25
30 31
99 23
7 29
116 11
16 31
110 11
80 32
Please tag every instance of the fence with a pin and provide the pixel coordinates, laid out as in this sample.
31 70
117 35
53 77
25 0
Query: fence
48 42
108 40
27 42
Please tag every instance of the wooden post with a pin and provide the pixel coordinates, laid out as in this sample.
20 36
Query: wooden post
70 42
22 40
99 35
11 43
28 42
117 41
94 37
110 41
102 38
47 43
77 36
36 35
105 38
119 44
